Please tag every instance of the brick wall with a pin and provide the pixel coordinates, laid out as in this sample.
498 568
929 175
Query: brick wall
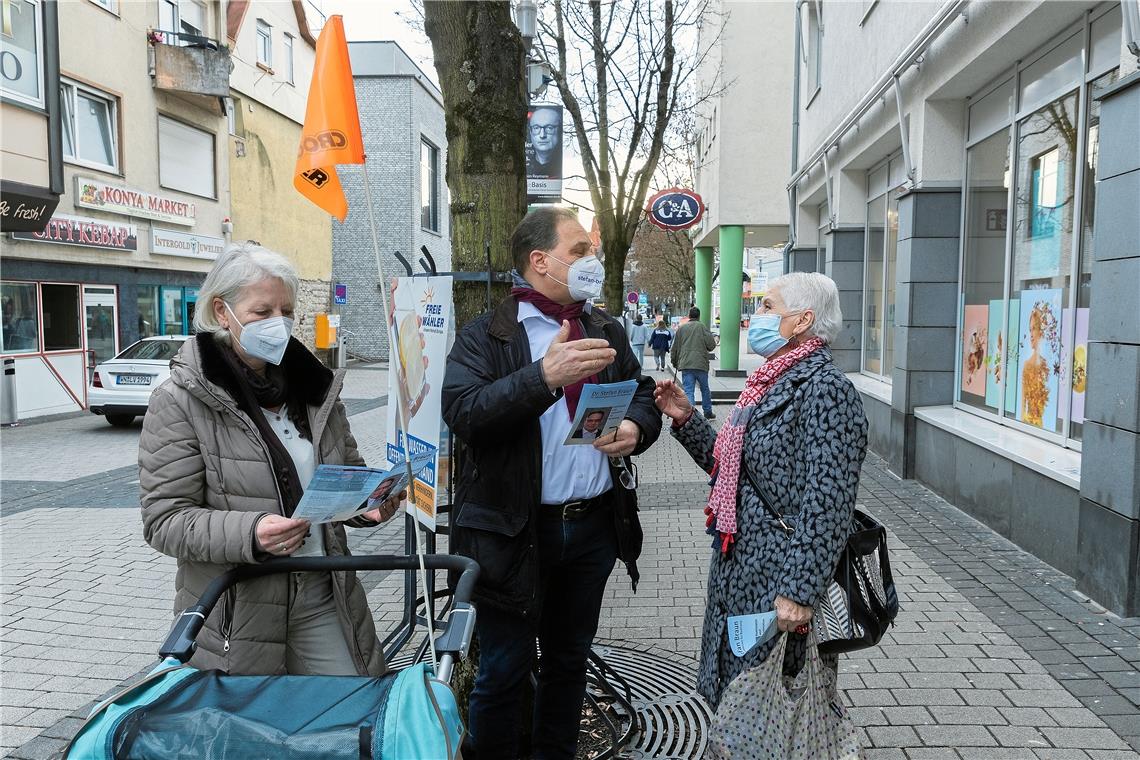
394 112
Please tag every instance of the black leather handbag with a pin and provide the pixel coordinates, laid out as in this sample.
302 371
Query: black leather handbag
861 602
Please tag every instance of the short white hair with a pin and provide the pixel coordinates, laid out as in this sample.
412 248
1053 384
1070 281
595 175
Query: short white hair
804 291
240 266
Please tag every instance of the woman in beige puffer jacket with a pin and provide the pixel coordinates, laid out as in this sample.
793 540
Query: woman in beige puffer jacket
227 444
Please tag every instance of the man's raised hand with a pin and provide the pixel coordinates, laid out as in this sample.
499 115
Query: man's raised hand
568 361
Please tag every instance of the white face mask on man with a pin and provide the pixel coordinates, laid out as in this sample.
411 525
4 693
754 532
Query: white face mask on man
265 339
584 277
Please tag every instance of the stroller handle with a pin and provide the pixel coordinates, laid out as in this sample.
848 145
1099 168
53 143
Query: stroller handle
181 641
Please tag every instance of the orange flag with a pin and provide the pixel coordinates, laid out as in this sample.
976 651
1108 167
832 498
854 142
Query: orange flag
331 134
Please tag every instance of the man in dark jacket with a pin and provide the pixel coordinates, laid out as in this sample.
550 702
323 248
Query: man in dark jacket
691 356
545 521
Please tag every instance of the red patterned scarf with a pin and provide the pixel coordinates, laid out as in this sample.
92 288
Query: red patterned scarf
572 313
729 448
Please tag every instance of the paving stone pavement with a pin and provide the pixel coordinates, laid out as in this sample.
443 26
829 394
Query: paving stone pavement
994 656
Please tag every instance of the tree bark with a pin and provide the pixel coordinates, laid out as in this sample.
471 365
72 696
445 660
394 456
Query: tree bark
479 57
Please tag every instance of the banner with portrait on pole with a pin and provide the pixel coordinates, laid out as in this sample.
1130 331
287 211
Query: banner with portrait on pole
544 153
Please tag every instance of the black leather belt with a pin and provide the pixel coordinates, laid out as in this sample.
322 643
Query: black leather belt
573 510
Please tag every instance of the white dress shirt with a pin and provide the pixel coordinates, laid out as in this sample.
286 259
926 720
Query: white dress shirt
304 457
569 473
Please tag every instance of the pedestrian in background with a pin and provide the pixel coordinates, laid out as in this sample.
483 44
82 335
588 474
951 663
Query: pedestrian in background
638 333
660 341
690 356
794 446
227 447
544 521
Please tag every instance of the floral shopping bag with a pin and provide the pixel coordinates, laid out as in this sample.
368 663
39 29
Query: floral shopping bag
765 716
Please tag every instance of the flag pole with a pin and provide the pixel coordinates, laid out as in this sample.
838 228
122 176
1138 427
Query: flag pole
403 423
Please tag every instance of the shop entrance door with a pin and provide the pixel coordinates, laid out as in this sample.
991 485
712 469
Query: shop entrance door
101 320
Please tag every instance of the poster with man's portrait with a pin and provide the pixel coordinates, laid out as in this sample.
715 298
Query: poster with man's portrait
544 153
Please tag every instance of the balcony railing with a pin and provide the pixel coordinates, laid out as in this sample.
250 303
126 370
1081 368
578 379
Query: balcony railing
190 64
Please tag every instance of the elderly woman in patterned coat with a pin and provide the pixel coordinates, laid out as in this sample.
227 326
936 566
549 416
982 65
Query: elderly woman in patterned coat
799 436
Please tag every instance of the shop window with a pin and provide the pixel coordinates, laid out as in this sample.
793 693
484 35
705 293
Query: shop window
62 323
149 323
429 186
986 348
882 236
90 126
823 227
20 328
172 323
185 158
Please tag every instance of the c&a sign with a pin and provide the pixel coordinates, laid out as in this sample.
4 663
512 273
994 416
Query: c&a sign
675 209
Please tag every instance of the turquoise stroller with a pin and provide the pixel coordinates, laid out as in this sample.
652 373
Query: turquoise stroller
177 712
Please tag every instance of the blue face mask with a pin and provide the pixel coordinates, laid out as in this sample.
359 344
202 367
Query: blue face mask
764 334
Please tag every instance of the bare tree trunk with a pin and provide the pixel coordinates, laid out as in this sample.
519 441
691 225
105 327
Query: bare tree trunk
479 56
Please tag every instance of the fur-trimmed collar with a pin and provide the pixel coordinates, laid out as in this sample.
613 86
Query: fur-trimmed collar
308 379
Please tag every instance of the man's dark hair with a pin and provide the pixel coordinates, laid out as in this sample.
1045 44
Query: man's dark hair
538 231
694 313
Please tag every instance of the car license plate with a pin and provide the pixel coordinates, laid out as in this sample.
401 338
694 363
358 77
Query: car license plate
134 379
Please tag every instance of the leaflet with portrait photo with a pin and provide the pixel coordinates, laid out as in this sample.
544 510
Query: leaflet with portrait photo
340 492
601 408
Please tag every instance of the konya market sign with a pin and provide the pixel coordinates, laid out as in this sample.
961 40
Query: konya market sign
675 209
93 193
86 233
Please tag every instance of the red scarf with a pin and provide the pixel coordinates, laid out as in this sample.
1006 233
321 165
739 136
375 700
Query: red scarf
729 449
571 313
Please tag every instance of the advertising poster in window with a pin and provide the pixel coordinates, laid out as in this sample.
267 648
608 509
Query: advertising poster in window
1039 347
1011 355
544 153
975 345
995 351
1075 375
420 333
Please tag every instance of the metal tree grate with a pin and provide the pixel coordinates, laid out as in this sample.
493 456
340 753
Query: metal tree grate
672 720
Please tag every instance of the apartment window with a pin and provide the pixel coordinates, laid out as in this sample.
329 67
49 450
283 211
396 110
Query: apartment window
186 158
192 18
1027 239
814 50
429 186
289 58
21 63
884 185
90 126
111 5
264 43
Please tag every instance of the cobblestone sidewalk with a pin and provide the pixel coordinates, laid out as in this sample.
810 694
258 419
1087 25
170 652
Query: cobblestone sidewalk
994 656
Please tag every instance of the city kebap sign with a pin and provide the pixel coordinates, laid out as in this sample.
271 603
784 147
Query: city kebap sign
88 233
675 209
92 193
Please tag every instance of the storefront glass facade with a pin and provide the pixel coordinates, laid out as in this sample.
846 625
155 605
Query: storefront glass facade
166 310
1027 238
884 185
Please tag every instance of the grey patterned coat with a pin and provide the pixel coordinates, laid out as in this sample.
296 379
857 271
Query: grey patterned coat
805 443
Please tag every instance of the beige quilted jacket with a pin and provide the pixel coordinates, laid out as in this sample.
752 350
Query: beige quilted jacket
206 478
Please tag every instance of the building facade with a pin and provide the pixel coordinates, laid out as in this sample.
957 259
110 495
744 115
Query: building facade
401 117
739 172
145 192
273 55
949 174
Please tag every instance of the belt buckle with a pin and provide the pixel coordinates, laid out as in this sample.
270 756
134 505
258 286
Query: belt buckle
572 510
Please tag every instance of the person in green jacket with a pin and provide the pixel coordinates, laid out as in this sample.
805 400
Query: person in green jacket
690 355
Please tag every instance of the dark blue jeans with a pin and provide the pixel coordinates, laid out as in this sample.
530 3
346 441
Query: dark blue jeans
575 561
689 380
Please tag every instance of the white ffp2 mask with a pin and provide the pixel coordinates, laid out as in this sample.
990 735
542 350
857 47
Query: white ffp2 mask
265 339
584 277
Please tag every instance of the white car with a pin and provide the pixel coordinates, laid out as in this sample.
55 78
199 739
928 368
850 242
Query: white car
120 388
